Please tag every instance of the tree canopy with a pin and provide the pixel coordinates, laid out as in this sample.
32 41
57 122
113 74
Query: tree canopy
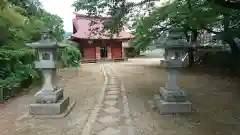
22 21
191 15
233 4
219 17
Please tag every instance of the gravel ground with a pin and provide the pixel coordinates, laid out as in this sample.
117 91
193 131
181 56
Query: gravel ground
82 85
216 101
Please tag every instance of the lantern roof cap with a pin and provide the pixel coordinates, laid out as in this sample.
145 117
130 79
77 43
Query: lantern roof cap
166 42
43 45
45 42
176 43
172 40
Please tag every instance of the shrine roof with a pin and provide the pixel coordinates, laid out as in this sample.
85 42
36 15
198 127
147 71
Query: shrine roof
84 29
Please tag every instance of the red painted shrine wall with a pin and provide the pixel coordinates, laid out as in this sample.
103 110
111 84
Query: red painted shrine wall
116 50
89 50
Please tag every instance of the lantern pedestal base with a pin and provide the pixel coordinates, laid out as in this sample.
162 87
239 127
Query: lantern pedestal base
50 105
163 63
49 97
172 96
53 110
170 102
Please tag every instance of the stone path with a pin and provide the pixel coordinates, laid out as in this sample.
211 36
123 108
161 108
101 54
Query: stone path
111 115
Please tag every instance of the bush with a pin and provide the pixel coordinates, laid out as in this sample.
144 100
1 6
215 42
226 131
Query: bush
17 71
219 59
17 67
69 55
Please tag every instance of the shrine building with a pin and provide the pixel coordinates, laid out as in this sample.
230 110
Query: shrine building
95 44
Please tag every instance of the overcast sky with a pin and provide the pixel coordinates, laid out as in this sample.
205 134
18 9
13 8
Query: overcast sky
63 9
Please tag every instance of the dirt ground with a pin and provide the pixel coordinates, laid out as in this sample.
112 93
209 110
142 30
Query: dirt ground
216 102
215 99
82 85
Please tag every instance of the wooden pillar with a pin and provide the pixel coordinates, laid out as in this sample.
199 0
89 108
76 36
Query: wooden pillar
124 46
123 52
98 56
109 52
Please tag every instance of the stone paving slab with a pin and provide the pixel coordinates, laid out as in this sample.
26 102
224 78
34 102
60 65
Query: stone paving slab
111 110
110 131
113 88
113 92
113 97
111 114
108 120
110 102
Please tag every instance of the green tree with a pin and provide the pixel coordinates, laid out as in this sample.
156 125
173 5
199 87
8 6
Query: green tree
23 20
32 7
44 19
53 23
116 9
192 15
11 20
233 4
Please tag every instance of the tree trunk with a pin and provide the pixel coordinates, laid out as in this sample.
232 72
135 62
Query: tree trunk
191 57
191 50
235 59
233 45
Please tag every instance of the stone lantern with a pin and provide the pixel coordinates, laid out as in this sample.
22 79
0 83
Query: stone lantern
49 100
171 98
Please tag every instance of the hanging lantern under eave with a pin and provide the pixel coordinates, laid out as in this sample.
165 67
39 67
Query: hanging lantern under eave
90 41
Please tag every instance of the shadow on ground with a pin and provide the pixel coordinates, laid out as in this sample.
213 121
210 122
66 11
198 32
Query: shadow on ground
216 101
83 85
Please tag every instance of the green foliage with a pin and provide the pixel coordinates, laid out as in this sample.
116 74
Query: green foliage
21 21
232 4
16 71
67 34
152 26
11 14
191 15
69 55
54 23
116 9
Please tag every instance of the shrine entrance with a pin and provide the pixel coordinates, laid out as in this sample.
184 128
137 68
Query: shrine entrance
103 52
